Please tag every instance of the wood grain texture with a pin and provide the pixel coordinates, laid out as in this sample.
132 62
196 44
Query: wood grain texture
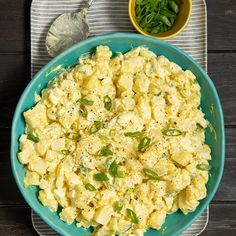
15 25
222 70
16 221
222 220
15 74
221 17
15 22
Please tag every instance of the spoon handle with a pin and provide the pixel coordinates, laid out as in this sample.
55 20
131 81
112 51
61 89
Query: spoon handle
88 3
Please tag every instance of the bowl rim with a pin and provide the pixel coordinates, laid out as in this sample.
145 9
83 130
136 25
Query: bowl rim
141 31
67 52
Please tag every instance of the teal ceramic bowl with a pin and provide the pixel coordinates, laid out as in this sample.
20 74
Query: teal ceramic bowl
123 42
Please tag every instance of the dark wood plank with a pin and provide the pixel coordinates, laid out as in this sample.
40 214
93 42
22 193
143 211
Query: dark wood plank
15 25
222 220
227 188
15 74
222 68
12 195
15 20
16 220
221 24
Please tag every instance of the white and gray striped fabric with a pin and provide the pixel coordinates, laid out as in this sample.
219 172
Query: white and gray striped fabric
107 16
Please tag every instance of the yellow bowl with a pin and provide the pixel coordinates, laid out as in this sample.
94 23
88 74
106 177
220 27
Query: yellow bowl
185 10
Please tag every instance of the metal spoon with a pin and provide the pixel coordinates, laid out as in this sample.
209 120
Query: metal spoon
67 29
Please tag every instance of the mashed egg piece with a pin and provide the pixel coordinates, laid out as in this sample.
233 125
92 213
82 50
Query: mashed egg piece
118 142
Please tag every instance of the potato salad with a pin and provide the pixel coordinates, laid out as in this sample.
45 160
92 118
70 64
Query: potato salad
116 142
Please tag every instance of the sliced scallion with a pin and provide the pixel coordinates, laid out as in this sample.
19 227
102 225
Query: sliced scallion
203 167
105 151
95 127
90 187
133 134
144 143
85 102
151 174
33 138
101 176
107 102
131 214
172 132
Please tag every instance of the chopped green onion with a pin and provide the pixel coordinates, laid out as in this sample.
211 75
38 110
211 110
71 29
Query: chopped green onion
85 102
120 174
172 132
144 143
105 151
73 136
107 102
133 134
113 168
156 16
95 127
90 187
103 136
65 152
101 176
203 167
132 216
174 6
83 111
129 191
118 206
151 174
33 138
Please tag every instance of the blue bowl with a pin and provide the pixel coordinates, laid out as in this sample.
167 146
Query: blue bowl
123 42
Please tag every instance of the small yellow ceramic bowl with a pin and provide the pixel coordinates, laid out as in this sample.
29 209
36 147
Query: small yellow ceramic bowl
185 10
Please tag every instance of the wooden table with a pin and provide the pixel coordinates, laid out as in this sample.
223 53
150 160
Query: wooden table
15 216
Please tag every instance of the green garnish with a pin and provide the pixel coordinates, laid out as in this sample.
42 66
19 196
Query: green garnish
65 152
33 138
132 216
172 132
105 151
95 127
90 187
120 174
151 174
83 111
203 167
144 143
107 102
133 134
103 136
85 102
113 169
156 16
101 176
118 206
114 172
129 191
74 136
